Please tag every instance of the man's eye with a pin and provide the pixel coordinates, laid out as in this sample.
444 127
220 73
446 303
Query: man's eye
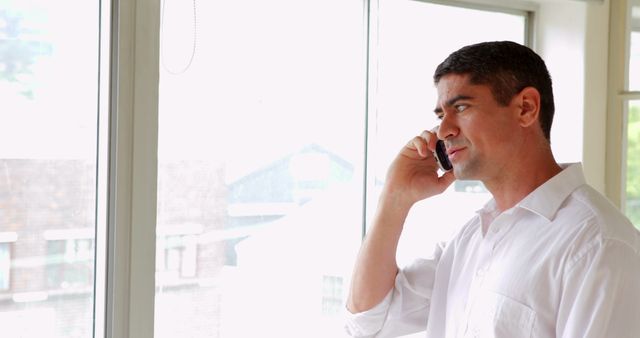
440 116
461 107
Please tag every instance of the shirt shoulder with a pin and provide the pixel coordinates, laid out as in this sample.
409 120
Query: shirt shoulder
609 222
593 222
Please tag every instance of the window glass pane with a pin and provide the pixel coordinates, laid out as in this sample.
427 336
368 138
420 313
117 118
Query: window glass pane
260 166
632 207
633 163
48 140
414 37
5 266
634 47
634 60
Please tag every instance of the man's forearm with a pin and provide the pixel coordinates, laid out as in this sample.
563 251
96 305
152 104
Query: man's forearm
376 267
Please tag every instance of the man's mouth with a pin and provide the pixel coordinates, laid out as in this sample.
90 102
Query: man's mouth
451 152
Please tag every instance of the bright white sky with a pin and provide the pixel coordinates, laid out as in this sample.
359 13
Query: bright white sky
60 122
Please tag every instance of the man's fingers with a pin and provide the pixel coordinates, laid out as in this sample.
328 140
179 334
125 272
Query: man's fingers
424 144
430 138
420 145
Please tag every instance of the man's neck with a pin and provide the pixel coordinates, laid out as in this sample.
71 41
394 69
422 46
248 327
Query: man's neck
520 179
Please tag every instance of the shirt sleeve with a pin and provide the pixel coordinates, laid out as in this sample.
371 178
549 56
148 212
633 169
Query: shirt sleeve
601 293
405 308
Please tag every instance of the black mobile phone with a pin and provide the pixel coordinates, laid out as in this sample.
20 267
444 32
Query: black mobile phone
442 157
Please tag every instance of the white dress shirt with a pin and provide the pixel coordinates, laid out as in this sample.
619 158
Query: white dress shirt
563 262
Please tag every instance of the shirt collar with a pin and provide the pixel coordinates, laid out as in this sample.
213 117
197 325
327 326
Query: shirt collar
548 197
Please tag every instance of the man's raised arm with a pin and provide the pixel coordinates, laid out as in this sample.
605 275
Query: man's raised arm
412 176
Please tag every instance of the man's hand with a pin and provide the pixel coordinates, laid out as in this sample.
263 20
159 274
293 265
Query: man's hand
413 175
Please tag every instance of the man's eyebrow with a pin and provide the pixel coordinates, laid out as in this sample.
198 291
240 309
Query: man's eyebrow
452 101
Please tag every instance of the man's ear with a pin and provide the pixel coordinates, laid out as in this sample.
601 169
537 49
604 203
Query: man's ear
528 100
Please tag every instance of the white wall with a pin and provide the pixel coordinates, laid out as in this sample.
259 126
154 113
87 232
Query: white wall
572 37
595 107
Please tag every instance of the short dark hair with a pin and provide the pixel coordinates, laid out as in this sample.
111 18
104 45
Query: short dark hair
507 68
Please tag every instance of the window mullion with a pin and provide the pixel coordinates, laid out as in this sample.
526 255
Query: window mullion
133 170
614 171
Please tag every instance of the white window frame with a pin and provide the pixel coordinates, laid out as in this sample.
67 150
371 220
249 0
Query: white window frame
618 96
127 182
125 269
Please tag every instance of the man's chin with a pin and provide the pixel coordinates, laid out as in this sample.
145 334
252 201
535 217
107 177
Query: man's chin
463 173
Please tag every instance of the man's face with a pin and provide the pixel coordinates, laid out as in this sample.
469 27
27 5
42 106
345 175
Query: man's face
480 134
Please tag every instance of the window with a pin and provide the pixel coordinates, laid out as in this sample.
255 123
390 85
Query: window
263 122
5 260
48 140
632 206
406 53
623 168
70 255
632 191
5 266
261 114
634 47
332 294
261 173
177 257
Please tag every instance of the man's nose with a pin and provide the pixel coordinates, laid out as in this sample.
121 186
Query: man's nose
447 128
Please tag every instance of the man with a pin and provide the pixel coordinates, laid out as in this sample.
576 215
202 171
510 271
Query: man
548 256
